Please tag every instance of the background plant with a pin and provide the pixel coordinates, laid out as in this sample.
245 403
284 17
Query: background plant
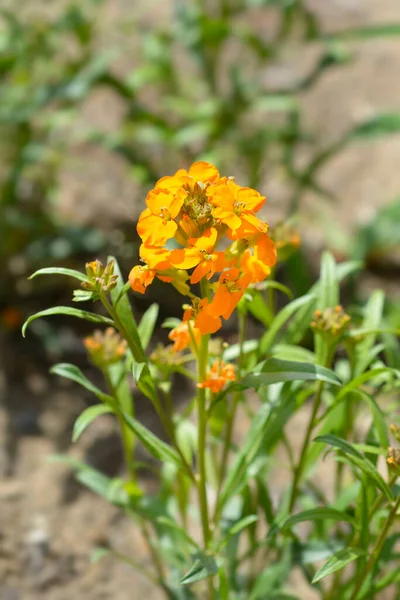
242 118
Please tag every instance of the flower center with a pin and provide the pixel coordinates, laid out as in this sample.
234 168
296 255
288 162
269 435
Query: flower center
165 215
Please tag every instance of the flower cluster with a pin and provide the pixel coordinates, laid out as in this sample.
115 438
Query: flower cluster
106 347
201 222
218 376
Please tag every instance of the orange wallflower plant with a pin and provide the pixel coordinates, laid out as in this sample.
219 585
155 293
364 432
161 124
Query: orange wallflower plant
202 233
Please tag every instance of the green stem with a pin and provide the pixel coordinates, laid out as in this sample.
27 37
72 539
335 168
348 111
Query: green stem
202 364
202 367
377 549
298 471
127 440
137 352
156 401
231 414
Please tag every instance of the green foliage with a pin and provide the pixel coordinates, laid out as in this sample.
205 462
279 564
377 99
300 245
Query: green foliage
304 527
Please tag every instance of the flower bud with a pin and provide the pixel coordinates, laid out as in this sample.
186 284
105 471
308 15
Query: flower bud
105 348
101 279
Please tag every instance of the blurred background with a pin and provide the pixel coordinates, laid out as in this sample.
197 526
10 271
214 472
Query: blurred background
100 98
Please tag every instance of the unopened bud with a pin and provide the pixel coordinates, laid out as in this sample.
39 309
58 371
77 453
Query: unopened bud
332 321
393 457
106 347
101 278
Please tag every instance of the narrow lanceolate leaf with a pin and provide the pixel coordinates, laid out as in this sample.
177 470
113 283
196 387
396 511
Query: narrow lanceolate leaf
86 417
125 315
60 271
73 373
235 479
281 319
328 291
380 30
204 566
372 320
147 324
357 382
71 312
359 460
317 514
301 320
275 370
242 524
154 445
338 561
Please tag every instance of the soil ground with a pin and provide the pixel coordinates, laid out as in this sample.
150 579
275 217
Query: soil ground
48 524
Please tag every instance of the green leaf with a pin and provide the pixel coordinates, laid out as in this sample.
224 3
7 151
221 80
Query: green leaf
281 318
111 489
60 271
359 460
258 308
171 323
67 310
317 550
275 370
174 526
318 514
233 351
73 373
125 315
204 566
372 320
381 30
154 445
292 352
328 289
241 524
86 417
380 125
338 561
147 325
301 320
357 382
268 580
98 554
142 376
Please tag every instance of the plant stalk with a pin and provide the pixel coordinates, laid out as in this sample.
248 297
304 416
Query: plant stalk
377 549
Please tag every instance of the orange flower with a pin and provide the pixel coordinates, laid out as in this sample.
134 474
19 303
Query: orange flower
259 264
140 277
157 223
181 337
218 376
235 206
155 257
232 286
200 255
204 320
